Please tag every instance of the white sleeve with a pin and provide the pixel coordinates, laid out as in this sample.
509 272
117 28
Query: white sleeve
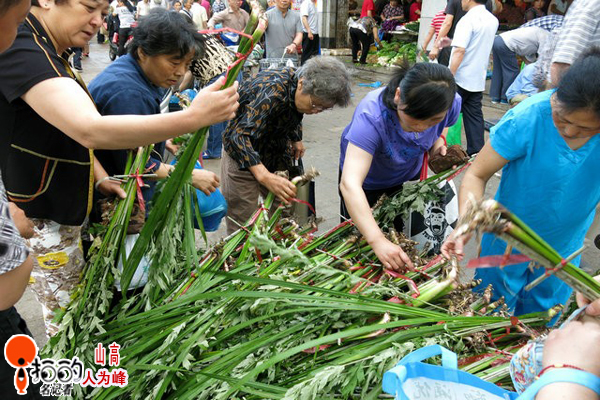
462 34
304 8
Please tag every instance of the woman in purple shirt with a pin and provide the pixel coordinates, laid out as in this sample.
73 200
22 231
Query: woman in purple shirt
384 144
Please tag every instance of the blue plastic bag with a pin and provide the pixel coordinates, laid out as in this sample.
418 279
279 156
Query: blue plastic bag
412 379
212 208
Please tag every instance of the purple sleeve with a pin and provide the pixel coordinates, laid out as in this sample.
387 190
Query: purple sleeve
364 132
454 111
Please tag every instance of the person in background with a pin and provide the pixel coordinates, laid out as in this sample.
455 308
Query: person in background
559 7
177 6
367 9
523 42
159 3
510 14
471 47
199 15
266 134
284 32
234 18
207 7
353 9
536 11
441 48
143 8
391 15
434 30
310 30
218 6
379 6
55 119
522 87
362 33
383 146
553 136
580 31
125 12
186 11
415 11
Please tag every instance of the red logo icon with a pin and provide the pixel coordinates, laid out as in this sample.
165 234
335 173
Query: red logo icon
20 351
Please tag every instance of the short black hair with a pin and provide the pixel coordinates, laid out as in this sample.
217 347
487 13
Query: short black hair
579 88
165 32
480 1
426 89
6 5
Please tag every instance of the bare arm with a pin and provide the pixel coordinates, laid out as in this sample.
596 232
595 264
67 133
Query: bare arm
356 167
54 99
557 70
445 28
428 38
487 162
307 27
457 57
13 284
293 47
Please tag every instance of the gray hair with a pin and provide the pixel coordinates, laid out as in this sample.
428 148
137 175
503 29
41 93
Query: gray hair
327 79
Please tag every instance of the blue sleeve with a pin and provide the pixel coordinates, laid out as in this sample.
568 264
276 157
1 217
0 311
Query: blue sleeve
128 101
364 132
508 138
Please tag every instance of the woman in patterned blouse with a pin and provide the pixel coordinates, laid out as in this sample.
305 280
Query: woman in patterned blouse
392 15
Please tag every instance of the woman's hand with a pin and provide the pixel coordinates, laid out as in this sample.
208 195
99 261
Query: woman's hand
575 344
594 307
298 150
454 246
391 255
110 188
281 187
204 180
213 105
23 224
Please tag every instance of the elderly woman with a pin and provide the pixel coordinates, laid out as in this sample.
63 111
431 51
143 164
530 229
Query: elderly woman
161 52
266 134
384 144
548 148
50 126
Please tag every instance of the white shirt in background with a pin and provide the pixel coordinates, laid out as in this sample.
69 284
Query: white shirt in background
309 10
475 33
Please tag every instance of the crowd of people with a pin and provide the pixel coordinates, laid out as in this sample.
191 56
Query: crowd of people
60 143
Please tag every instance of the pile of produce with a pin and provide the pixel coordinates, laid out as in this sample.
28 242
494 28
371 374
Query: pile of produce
273 311
393 54
276 312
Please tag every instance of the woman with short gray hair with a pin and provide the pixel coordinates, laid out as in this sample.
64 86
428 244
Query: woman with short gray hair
266 134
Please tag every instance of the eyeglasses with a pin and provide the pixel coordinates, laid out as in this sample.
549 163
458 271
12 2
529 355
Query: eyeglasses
318 108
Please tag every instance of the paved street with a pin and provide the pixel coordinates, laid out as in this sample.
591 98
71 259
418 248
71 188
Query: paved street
322 138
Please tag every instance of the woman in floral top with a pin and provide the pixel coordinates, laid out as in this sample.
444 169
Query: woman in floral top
391 15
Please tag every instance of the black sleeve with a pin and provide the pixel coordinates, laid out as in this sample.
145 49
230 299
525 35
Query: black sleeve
129 6
451 7
28 62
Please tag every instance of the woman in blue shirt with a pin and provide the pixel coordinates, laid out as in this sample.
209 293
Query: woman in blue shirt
548 148
384 144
